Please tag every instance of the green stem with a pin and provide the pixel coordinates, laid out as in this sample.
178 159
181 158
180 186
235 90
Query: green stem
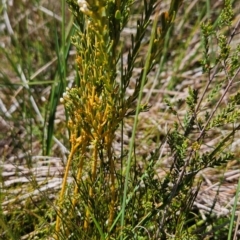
143 81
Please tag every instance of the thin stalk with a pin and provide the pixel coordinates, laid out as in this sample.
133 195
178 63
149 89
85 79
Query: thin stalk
131 146
233 212
112 181
218 103
212 76
63 43
93 178
79 172
63 188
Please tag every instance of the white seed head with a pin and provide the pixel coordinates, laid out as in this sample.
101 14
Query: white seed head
84 8
81 2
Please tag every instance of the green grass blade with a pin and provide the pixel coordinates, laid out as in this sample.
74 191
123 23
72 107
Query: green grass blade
59 84
131 146
234 211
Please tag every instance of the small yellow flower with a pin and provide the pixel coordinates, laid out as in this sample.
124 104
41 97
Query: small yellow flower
196 146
